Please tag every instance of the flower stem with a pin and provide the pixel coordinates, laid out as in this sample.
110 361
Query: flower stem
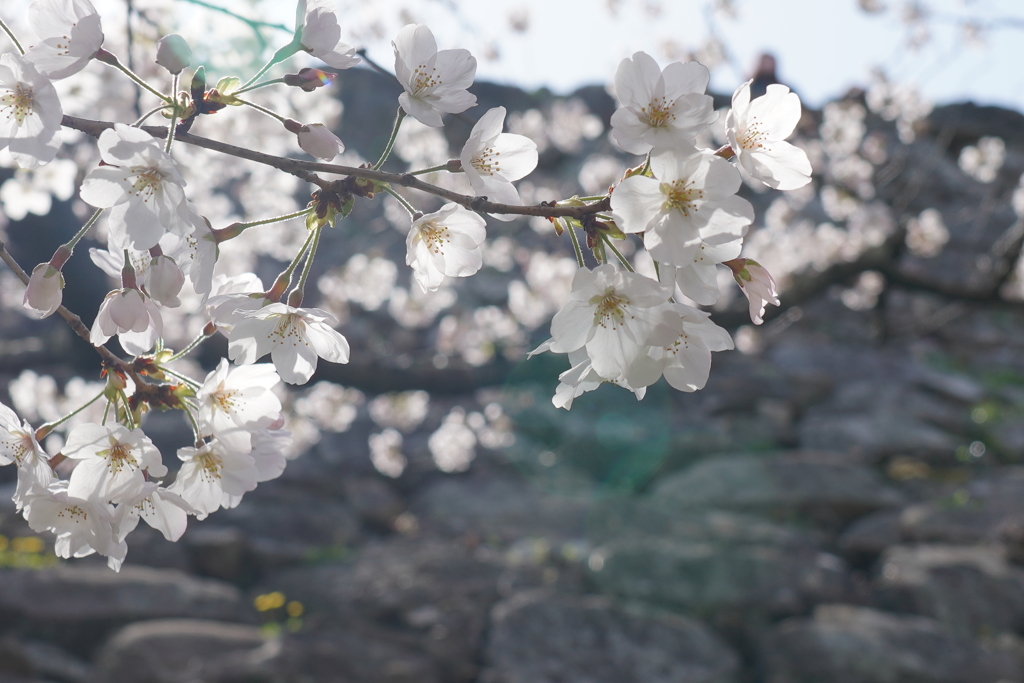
187 380
258 86
618 254
191 345
127 411
148 114
657 270
112 60
295 296
10 34
263 110
70 244
284 279
192 421
279 56
45 429
236 229
401 200
575 245
174 116
442 167
391 141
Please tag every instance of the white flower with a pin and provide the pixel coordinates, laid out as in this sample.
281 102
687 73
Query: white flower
685 361
445 243
581 378
18 445
139 184
173 53
318 32
196 253
492 159
434 82
659 108
757 284
70 32
614 315
236 401
319 142
696 281
134 318
163 510
211 472
164 280
30 113
294 338
33 191
689 206
232 297
112 462
82 527
43 293
270 451
757 131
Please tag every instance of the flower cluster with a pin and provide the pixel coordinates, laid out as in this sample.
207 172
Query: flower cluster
618 326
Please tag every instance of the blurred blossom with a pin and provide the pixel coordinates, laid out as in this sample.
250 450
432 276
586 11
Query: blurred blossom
475 335
899 103
500 254
330 406
1018 198
570 122
842 128
927 234
854 173
493 428
548 281
386 453
865 292
417 308
599 172
453 444
838 203
983 161
30 191
368 282
35 397
530 123
421 146
402 410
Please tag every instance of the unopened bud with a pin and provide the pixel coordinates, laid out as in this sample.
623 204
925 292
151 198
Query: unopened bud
309 79
173 53
318 141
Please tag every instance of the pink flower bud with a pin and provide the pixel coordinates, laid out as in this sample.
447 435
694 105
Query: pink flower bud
43 294
173 53
164 280
318 141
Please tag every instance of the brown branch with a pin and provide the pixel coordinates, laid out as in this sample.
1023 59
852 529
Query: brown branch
307 170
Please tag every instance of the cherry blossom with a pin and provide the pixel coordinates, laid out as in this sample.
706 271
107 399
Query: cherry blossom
30 113
757 284
236 401
615 315
164 280
319 142
318 32
140 184
161 509
434 82
447 242
757 131
18 445
82 527
294 338
112 459
689 206
134 318
686 360
173 53
492 159
70 34
581 378
660 108
210 473
43 293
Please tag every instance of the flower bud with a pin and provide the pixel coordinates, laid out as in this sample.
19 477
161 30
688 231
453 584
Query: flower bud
173 53
43 294
164 280
309 79
319 142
